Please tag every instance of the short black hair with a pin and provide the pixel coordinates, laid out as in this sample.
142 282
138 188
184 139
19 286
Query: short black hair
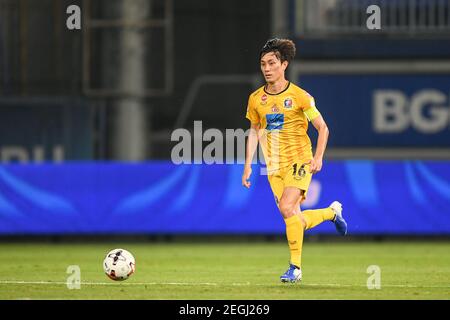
284 49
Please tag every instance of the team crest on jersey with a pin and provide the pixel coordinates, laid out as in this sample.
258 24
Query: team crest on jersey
288 103
275 108
263 99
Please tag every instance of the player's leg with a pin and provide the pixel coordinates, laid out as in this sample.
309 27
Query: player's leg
301 179
333 213
298 210
296 183
294 231
312 218
285 200
315 217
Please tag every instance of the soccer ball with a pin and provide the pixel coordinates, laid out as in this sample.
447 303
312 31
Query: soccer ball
119 264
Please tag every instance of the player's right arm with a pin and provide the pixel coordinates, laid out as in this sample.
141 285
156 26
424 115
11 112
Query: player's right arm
252 141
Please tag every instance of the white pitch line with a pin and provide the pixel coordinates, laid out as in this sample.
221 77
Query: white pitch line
213 284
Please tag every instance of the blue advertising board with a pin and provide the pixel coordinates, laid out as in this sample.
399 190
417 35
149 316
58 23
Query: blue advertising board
379 197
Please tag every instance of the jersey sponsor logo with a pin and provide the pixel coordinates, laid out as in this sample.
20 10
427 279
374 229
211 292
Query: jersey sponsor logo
263 99
275 108
288 103
275 121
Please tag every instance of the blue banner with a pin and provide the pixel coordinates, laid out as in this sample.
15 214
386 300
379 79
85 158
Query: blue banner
379 197
382 110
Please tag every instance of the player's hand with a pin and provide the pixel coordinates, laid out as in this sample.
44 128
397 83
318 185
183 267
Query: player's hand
315 165
246 176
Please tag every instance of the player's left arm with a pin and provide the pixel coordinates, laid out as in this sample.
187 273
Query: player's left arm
314 116
322 139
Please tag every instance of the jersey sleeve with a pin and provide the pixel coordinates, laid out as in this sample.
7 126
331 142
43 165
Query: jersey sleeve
252 114
308 106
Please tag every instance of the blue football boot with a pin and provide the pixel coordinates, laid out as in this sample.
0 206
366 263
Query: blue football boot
293 274
339 222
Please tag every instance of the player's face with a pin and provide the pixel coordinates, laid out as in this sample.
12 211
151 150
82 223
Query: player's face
272 68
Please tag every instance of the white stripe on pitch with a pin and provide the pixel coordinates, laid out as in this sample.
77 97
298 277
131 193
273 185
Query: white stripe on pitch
211 284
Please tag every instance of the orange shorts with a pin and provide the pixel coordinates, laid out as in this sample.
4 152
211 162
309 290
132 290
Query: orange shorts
295 175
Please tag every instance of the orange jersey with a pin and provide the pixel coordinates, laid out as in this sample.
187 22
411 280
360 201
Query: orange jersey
283 120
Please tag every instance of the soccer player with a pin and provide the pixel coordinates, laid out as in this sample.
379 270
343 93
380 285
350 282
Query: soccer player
279 113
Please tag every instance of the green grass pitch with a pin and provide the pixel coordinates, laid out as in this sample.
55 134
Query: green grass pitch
409 270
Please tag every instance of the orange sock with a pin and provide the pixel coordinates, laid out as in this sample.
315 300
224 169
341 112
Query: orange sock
316 217
294 233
